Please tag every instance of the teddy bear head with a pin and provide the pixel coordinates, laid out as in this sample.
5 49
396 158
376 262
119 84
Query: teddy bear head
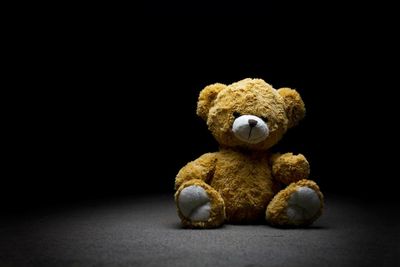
249 114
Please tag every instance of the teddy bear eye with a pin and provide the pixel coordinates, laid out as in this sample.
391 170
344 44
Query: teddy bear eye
236 114
265 119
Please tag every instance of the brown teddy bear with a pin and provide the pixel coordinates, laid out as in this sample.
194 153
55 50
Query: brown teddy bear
243 182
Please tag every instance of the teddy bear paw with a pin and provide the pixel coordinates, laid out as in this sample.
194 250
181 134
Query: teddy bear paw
303 205
299 204
199 205
194 203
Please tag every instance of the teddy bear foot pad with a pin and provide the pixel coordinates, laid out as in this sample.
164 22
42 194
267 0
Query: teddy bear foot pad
299 204
303 204
194 203
199 205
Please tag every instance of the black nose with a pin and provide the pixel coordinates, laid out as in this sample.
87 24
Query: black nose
252 123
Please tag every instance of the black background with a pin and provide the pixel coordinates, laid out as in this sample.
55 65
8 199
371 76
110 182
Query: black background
104 105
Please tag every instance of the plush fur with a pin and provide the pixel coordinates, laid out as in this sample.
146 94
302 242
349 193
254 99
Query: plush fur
244 182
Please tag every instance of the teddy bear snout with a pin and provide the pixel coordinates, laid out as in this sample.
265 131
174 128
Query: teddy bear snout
250 129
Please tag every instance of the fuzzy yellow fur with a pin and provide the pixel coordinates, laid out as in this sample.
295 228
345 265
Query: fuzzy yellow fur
243 179
288 168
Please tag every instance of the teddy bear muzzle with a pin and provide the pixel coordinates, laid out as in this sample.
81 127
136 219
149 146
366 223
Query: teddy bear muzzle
250 129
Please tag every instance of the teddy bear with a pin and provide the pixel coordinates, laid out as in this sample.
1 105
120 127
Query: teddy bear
243 182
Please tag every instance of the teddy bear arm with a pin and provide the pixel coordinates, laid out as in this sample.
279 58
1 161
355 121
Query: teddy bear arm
199 169
288 168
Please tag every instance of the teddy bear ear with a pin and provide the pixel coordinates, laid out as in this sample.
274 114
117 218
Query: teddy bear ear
294 105
206 99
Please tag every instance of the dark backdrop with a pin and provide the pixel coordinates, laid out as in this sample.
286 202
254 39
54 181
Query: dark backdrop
107 107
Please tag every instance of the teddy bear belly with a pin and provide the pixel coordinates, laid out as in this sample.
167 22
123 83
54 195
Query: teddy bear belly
245 199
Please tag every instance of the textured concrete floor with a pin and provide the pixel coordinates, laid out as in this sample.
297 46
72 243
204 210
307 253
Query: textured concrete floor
146 232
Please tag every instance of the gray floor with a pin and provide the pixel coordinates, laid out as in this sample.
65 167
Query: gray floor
146 232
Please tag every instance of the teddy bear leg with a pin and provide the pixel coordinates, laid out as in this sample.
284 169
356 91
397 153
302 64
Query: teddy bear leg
199 205
299 204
